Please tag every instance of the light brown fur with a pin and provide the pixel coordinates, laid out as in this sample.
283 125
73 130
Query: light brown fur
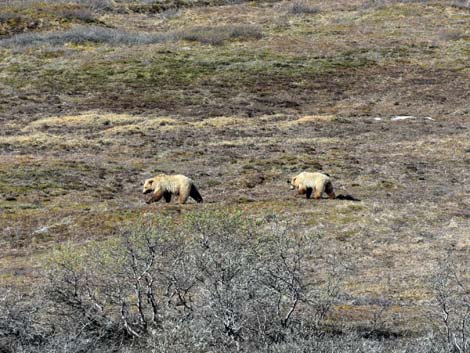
306 183
166 186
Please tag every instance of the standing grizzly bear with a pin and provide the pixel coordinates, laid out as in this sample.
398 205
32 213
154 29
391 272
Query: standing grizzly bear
165 186
306 183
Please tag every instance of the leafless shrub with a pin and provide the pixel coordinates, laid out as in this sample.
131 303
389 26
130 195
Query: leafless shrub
452 306
170 13
218 35
81 14
94 5
18 322
257 287
84 34
346 343
217 282
143 6
461 4
8 16
451 35
303 8
96 34
204 36
378 4
98 5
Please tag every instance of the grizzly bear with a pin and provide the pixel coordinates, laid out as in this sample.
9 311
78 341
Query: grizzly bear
165 186
306 183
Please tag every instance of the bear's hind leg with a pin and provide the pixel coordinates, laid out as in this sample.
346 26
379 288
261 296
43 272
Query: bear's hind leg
195 194
329 190
183 196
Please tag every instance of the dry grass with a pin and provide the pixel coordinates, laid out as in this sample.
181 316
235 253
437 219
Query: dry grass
90 120
309 119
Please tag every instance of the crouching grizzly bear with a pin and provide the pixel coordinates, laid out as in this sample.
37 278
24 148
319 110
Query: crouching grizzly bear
165 186
306 183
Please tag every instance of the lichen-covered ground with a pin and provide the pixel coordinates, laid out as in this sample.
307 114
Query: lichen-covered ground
240 97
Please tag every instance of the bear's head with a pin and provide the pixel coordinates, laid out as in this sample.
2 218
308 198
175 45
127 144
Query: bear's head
293 183
149 186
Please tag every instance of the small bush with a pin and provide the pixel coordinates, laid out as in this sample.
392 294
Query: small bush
451 306
8 16
461 4
94 5
303 8
95 34
20 322
381 4
97 5
80 14
170 13
216 280
84 34
218 35
451 35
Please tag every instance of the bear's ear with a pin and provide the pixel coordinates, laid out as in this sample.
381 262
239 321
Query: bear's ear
150 181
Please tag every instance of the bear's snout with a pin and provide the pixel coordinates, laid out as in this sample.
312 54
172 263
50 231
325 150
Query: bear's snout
292 187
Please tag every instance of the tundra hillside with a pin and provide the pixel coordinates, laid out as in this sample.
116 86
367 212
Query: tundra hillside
97 96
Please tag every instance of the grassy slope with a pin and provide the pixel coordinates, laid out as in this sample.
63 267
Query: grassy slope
83 125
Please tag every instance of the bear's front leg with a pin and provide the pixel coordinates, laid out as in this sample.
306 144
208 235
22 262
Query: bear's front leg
317 194
309 192
329 191
301 190
156 196
167 196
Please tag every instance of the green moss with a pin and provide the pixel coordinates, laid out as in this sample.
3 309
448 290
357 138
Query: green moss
247 167
51 178
243 199
387 184
394 12
179 75
211 183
